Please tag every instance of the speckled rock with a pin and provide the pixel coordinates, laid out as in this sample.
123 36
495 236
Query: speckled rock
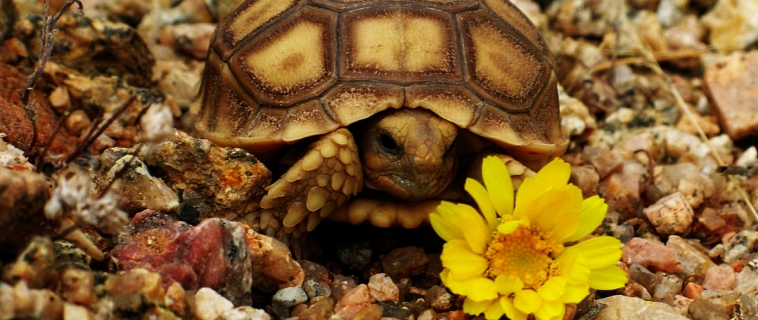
20 302
356 303
439 298
606 161
740 245
692 260
731 86
289 297
672 214
651 255
229 185
621 307
245 313
622 193
192 39
22 197
136 290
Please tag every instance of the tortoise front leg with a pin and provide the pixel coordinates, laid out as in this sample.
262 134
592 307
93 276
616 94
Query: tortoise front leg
321 181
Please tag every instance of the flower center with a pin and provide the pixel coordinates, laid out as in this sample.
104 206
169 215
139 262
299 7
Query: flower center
524 254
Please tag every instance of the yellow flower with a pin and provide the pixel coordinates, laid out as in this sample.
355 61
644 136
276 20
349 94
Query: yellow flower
512 258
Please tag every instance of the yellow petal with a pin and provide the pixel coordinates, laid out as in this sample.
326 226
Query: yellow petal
554 174
481 289
599 252
607 278
573 266
475 307
552 289
494 311
527 301
550 310
507 285
510 310
461 261
482 198
507 227
575 293
593 213
478 234
498 182
555 210
445 222
455 286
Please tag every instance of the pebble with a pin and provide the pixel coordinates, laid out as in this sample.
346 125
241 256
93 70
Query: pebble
209 305
643 276
732 25
405 262
622 307
21 302
747 280
739 245
342 285
245 313
586 178
381 288
356 303
289 297
720 277
692 260
622 193
682 305
137 188
134 291
651 255
731 88
439 298
356 255
711 220
716 305
692 290
192 39
77 286
606 161
320 308
575 117
230 182
76 312
669 287
671 215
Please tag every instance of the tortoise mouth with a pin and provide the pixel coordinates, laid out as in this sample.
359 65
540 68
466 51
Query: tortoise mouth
413 189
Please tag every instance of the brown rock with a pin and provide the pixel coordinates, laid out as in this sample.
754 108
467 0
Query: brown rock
622 193
720 277
381 288
78 286
192 39
732 87
405 262
651 255
605 160
230 183
586 178
135 290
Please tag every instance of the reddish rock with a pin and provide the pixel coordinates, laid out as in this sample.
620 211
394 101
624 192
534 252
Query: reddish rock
732 87
622 193
212 254
273 267
586 178
606 161
15 122
651 255
720 278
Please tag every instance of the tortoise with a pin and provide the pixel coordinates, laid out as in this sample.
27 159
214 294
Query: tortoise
394 97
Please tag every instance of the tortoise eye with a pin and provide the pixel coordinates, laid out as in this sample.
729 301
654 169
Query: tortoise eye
388 144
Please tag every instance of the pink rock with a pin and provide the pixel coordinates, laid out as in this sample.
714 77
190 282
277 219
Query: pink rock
720 278
692 290
381 288
211 254
356 296
651 255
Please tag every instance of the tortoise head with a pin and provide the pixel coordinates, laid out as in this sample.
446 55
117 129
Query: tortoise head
408 153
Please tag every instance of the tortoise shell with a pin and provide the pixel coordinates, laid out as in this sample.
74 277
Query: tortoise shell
282 70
